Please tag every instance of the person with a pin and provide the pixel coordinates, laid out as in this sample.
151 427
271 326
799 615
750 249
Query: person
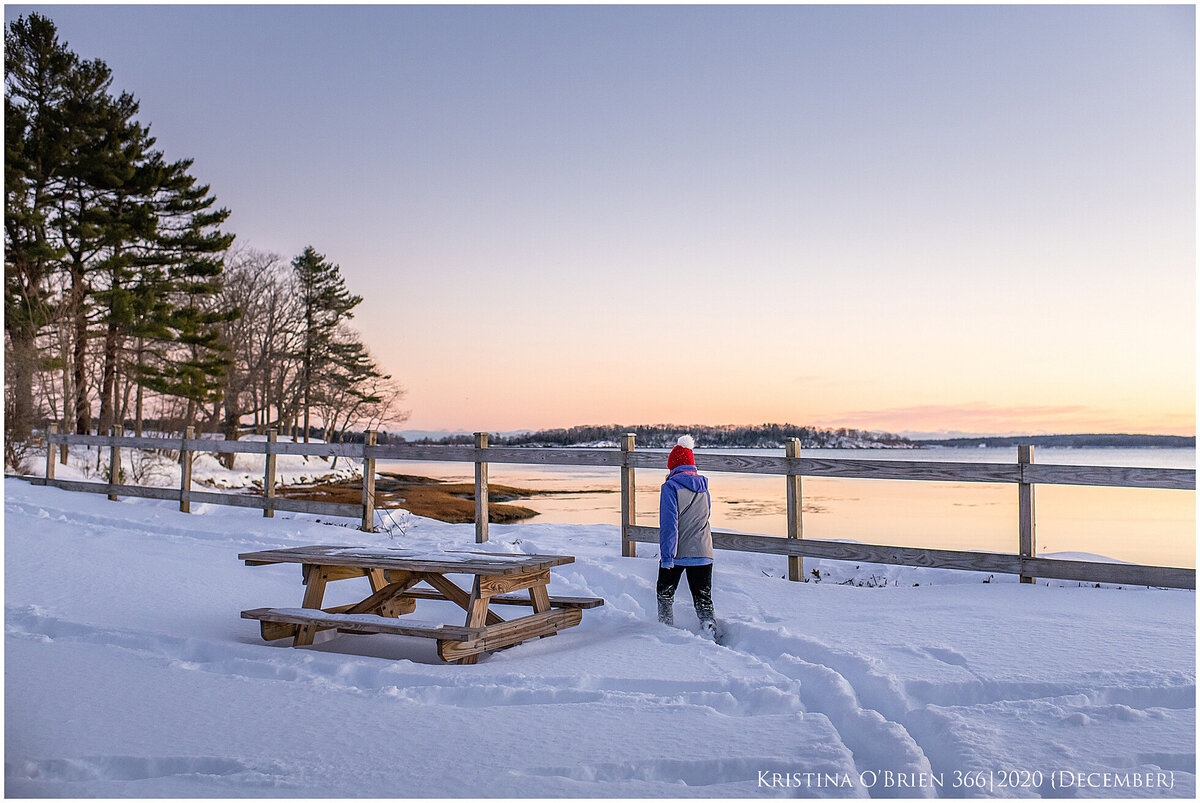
685 536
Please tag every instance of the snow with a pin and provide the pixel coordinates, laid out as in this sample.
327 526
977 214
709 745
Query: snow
439 556
129 672
151 468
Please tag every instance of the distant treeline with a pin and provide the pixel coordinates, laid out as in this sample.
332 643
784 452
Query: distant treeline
661 436
1072 441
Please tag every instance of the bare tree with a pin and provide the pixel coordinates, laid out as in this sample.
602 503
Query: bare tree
355 390
264 381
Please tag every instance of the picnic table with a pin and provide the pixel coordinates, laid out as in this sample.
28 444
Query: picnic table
396 576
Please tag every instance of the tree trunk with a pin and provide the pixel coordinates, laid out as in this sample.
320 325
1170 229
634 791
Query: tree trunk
127 385
266 380
109 379
341 439
141 361
68 391
308 371
232 412
306 410
20 372
83 408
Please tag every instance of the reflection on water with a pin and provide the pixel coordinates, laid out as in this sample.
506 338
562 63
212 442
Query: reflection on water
1142 525
750 508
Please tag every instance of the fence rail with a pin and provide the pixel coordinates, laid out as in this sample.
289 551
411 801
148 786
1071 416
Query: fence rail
998 562
926 471
207 497
1025 474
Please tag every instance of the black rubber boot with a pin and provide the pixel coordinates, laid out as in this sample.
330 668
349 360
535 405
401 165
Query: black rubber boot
666 611
702 601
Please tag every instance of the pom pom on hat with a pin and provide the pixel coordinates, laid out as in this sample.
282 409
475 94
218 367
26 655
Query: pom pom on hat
682 455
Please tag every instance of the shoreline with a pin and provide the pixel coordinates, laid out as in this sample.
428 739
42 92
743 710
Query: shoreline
451 502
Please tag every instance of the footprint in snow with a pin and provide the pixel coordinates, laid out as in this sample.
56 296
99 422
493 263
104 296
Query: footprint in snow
947 656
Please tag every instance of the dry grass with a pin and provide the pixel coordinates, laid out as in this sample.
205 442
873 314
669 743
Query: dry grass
422 496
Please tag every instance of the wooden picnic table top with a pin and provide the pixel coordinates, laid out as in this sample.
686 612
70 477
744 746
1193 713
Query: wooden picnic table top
413 560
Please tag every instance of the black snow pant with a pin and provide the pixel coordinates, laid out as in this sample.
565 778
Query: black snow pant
699 582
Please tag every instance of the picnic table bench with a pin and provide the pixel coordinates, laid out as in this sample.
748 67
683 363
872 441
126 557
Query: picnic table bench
394 575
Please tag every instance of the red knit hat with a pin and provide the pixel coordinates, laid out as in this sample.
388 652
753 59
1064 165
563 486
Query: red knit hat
682 455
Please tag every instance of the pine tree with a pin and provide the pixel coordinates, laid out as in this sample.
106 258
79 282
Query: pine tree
91 217
326 303
106 241
187 251
127 219
37 142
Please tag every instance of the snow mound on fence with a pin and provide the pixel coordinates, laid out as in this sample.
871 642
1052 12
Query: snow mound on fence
161 469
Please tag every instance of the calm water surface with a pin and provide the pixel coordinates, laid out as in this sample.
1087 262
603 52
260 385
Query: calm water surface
1152 526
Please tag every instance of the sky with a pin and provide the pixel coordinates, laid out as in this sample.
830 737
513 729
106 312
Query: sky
907 218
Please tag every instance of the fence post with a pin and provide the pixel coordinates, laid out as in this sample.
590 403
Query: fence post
628 496
114 463
51 431
368 491
481 490
1025 509
269 476
185 471
62 449
795 505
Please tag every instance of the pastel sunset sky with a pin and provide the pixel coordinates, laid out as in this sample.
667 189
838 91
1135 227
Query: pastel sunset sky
921 219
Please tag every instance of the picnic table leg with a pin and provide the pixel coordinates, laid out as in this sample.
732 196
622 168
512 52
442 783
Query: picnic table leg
456 595
540 597
314 592
477 613
377 578
398 606
381 601
509 634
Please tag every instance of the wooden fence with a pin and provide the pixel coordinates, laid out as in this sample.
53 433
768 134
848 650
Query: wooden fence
792 466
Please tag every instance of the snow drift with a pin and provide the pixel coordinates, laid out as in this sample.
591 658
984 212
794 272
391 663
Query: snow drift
128 672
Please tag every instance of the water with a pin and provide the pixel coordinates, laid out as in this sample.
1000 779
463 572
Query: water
1151 526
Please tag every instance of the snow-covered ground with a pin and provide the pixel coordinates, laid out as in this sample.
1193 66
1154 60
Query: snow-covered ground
128 672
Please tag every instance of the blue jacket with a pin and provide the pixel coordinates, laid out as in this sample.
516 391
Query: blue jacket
699 551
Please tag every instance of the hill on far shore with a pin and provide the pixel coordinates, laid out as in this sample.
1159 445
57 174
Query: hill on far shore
774 435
